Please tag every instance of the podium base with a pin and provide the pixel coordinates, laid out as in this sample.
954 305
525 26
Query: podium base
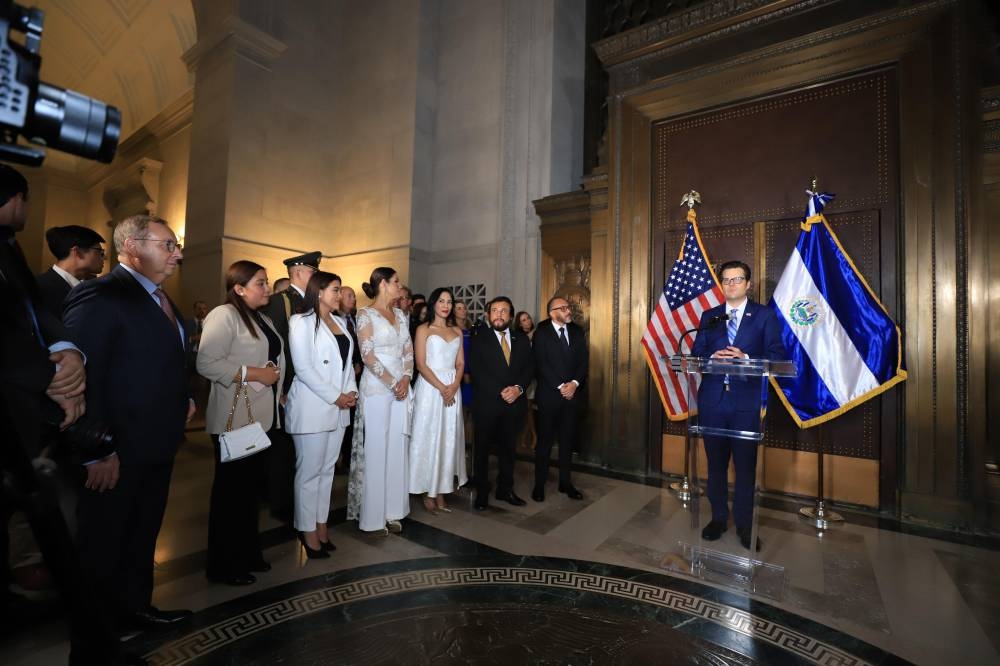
684 490
744 573
819 516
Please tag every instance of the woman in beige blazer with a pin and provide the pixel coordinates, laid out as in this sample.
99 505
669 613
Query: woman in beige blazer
239 343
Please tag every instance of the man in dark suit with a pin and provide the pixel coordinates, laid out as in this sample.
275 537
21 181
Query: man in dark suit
752 331
136 385
503 369
79 256
42 384
561 360
281 471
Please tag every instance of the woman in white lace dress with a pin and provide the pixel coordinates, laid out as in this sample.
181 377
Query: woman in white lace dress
437 442
377 487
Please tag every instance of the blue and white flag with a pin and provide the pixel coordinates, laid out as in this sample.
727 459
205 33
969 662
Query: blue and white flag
845 345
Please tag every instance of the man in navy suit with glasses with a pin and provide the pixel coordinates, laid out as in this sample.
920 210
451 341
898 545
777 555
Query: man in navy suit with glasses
751 331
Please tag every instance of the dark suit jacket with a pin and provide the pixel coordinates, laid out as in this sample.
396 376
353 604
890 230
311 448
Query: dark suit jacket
492 374
555 365
25 368
280 308
759 336
53 289
136 373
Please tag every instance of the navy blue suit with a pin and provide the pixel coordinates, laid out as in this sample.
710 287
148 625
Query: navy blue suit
738 408
137 385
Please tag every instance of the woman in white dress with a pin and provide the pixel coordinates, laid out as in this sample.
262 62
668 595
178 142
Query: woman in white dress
376 489
437 440
318 409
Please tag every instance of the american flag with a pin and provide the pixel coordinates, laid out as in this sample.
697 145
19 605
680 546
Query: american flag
690 289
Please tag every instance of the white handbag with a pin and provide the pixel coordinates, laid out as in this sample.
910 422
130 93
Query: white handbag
245 441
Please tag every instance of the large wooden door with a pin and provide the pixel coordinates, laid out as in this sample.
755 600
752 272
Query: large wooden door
752 163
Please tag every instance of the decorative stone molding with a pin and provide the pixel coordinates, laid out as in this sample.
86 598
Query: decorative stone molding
248 41
134 190
693 22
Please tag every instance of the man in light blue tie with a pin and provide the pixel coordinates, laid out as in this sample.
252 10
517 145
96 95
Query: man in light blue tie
752 331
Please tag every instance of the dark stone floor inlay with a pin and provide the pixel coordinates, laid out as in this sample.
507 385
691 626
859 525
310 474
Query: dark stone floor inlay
482 615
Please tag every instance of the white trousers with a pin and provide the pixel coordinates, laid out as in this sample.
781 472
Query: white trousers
315 457
384 496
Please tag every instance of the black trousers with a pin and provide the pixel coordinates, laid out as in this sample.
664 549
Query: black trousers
557 422
497 431
233 515
280 474
117 534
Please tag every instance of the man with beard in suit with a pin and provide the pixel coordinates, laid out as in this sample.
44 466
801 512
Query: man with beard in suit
503 362
136 345
561 359
281 470
79 256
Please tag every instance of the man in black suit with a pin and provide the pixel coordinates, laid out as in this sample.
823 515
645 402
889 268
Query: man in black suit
79 256
281 471
136 385
42 382
503 369
751 331
561 360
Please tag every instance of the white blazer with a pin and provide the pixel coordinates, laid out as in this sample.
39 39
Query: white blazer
320 376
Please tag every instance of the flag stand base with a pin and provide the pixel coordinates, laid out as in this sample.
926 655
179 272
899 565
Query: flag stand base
684 490
819 516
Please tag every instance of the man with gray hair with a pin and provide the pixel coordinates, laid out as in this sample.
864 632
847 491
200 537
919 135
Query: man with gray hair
135 344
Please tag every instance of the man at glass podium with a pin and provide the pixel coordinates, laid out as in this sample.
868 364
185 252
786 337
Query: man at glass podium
750 330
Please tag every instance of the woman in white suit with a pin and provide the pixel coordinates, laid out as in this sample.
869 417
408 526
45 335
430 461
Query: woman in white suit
318 407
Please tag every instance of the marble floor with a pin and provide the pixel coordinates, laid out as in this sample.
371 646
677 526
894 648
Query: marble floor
605 580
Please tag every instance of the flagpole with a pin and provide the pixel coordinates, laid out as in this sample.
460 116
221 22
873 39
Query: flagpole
684 489
818 515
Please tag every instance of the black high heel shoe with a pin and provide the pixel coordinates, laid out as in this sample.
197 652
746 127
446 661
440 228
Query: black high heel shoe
327 546
313 554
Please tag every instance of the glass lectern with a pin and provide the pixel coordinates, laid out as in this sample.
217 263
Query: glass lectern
726 560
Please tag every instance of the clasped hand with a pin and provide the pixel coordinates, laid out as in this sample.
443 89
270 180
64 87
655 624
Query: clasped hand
448 394
401 388
346 400
729 352
510 394
267 375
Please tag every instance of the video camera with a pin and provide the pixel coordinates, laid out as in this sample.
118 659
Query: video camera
45 114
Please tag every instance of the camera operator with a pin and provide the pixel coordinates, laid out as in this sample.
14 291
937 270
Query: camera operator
42 382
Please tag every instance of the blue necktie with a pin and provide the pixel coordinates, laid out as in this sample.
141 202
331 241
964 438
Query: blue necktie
731 334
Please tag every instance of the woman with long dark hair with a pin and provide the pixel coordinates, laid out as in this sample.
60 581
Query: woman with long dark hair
318 408
239 346
437 439
376 489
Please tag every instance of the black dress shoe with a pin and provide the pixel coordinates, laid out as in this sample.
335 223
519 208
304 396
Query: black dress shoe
236 580
571 492
713 530
511 498
744 534
482 501
154 617
538 494
313 554
327 546
263 566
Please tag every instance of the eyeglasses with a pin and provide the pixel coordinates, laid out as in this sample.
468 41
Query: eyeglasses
168 243
733 280
98 249
561 308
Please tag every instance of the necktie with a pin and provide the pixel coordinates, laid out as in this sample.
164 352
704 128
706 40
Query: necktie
563 338
732 326
505 347
165 306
